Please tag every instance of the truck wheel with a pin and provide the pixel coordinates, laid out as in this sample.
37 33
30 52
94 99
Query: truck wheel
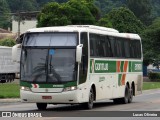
89 104
41 106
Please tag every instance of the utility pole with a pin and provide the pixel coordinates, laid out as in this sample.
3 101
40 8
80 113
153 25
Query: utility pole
19 23
19 20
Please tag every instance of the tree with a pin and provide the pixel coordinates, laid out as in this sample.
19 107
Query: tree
151 43
123 20
155 8
80 13
22 5
72 12
107 5
5 18
53 14
142 9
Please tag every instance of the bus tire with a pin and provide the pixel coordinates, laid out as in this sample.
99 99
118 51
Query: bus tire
125 99
130 95
89 104
41 106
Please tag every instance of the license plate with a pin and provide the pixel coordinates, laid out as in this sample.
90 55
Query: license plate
46 97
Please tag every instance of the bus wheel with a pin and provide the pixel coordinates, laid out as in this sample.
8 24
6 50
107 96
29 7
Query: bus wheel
89 104
130 95
125 99
41 106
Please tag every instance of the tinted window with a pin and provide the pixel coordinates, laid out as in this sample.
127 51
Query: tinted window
109 46
51 39
100 46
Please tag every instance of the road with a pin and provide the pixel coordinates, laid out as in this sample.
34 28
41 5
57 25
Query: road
148 101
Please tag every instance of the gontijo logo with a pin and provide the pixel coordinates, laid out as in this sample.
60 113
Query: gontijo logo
101 66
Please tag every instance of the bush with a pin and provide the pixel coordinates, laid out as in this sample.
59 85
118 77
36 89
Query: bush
154 76
7 42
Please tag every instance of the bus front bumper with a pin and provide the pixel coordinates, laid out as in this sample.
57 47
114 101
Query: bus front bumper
68 97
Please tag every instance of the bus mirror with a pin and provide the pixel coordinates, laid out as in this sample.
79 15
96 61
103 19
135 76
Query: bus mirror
79 53
16 51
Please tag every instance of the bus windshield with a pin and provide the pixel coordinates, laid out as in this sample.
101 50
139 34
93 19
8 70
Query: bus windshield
44 64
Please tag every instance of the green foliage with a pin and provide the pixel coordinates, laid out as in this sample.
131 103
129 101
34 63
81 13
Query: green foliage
22 5
151 43
107 5
142 9
72 12
123 20
7 42
53 14
154 76
155 8
4 15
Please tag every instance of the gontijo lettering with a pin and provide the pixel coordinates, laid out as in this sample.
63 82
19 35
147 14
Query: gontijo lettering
101 66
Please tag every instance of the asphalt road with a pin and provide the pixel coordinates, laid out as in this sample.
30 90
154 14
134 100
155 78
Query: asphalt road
148 101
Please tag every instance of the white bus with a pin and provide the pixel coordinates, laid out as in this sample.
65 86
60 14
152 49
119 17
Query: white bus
79 64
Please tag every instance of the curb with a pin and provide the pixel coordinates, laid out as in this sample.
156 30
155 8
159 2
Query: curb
10 100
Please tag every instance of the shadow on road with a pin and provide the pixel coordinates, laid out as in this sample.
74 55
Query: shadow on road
78 107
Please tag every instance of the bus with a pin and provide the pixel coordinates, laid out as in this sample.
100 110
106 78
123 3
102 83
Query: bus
79 64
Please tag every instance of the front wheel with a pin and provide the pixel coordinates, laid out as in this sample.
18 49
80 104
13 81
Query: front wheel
41 106
89 104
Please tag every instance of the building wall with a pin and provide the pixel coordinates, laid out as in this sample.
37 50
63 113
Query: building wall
24 26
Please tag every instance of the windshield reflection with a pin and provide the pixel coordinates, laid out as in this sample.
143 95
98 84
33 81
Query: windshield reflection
48 65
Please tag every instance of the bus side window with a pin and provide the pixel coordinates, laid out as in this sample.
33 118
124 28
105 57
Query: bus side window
91 48
93 45
113 46
108 47
127 48
100 46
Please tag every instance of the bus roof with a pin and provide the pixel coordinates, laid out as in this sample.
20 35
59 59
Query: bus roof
86 28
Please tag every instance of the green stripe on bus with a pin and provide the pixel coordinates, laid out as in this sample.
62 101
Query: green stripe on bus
122 66
136 66
101 66
130 66
68 84
104 66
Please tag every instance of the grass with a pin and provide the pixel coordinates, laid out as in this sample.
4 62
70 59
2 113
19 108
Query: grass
151 85
9 90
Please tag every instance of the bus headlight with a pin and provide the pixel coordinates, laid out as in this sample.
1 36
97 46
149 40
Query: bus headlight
70 88
25 88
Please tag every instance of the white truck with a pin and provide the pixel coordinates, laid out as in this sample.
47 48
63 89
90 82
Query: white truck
8 68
